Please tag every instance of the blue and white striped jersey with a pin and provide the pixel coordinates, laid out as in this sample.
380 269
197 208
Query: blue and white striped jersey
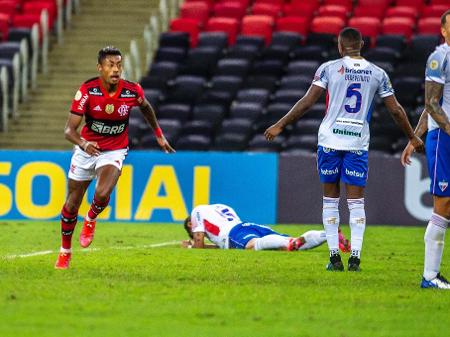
351 85
438 71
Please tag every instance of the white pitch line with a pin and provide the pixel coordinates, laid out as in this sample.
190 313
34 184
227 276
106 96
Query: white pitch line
47 252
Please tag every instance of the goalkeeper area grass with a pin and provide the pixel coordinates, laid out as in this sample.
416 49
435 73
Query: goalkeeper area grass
136 280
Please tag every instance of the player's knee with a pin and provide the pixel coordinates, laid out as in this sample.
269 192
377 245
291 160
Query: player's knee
71 206
102 194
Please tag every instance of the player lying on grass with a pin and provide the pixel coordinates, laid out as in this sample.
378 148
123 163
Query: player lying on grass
223 227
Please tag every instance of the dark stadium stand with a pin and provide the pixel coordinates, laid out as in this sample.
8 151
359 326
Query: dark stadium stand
226 70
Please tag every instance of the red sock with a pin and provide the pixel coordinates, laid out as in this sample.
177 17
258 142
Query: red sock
68 222
97 207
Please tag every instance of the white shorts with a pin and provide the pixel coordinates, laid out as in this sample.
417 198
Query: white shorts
83 166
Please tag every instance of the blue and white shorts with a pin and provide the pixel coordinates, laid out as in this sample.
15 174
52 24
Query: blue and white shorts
438 159
242 233
351 167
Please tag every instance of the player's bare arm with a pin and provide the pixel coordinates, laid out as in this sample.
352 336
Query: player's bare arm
420 130
433 94
150 116
297 111
399 115
72 135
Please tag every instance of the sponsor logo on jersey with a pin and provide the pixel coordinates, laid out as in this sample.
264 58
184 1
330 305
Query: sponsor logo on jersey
103 129
97 108
341 71
83 102
327 172
434 64
349 122
123 110
125 93
95 91
354 173
346 133
109 108
78 95
357 75
443 185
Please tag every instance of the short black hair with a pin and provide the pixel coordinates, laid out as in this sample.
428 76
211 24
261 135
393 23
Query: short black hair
106 51
350 35
444 17
187 228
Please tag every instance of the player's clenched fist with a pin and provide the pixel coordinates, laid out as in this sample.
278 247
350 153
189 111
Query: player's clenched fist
272 132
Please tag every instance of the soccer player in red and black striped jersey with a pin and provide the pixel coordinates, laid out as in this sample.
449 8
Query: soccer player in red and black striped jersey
100 148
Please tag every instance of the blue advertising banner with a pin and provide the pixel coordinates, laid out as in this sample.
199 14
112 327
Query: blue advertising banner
153 187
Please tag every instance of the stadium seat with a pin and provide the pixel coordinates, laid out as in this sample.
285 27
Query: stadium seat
430 25
193 143
195 10
395 42
233 67
381 144
186 89
174 39
198 127
317 111
294 24
230 142
378 3
222 90
230 26
402 12
261 82
310 52
306 142
306 127
416 4
201 61
398 26
246 110
170 54
369 11
230 9
382 54
36 7
327 25
253 95
171 128
5 20
269 9
164 70
250 40
180 112
260 144
210 111
334 11
421 47
237 125
275 2
305 10
154 96
439 2
295 82
258 25
269 67
213 39
26 20
433 11
9 7
153 82
190 26
305 68
369 27
210 3
276 110
348 4
288 96
287 38
408 90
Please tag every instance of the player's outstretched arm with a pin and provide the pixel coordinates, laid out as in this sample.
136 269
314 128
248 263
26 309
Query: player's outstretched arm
398 113
421 127
297 111
150 117
72 135
433 95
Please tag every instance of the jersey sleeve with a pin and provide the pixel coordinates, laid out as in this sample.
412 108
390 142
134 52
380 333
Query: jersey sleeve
436 66
197 221
80 101
385 89
321 76
140 94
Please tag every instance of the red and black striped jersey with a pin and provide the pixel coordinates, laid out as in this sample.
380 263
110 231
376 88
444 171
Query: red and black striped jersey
106 116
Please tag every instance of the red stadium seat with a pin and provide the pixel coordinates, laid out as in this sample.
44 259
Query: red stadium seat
274 2
293 24
398 26
300 9
327 25
348 4
370 11
273 10
232 9
226 25
5 21
367 26
210 3
439 2
417 4
190 26
334 10
402 12
430 26
9 7
434 11
258 25
36 7
27 21
195 10
314 3
374 3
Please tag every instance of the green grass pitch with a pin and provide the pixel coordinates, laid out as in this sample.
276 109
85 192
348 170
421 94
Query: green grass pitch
125 287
